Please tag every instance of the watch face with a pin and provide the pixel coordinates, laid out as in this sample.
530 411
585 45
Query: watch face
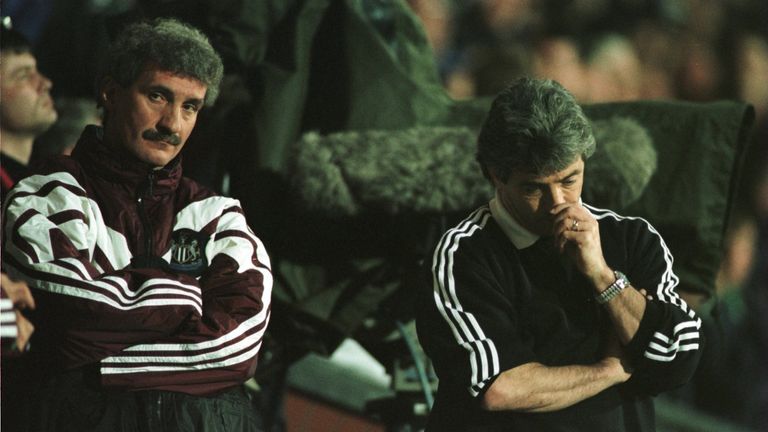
621 280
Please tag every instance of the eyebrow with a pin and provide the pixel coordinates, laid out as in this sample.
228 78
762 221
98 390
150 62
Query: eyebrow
21 69
576 171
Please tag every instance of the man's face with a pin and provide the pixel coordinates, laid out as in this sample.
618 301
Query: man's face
153 117
529 198
27 107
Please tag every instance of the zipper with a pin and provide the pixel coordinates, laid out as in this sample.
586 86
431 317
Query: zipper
146 192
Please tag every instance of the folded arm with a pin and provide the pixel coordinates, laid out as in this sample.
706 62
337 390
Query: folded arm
221 348
534 387
659 331
57 242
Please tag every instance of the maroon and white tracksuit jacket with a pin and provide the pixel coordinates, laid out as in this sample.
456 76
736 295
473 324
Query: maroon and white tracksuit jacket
146 273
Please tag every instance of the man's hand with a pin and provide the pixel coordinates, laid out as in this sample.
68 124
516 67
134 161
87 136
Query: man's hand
577 233
18 292
25 329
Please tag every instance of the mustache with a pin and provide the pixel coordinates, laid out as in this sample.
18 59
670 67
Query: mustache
155 135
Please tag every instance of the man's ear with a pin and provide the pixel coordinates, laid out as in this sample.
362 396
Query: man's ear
495 178
107 92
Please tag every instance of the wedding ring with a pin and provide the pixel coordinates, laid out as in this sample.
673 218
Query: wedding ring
575 225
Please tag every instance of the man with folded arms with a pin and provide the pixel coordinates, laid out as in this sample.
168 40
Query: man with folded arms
543 313
152 294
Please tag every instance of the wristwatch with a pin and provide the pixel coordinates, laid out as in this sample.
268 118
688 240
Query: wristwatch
613 289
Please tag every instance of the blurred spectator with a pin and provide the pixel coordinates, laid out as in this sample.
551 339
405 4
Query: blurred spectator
658 46
705 18
558 58
493 22
738 255
74 115
613 70
493 69
27 109
735 385
481 33
26 112
460 83
751 63
436 18
699 77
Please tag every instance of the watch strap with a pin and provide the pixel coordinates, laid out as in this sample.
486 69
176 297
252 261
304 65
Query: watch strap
613 289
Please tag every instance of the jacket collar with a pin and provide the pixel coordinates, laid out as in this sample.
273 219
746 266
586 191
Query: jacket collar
119 166
519 236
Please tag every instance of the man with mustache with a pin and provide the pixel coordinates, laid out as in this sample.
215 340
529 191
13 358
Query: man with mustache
152 292
543 313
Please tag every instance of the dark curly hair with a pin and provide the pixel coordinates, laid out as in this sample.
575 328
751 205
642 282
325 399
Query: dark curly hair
168 44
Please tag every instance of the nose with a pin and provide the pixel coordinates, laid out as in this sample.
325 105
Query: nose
170 120
555 196
44 83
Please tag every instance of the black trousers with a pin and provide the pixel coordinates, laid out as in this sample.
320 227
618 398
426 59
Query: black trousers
69 402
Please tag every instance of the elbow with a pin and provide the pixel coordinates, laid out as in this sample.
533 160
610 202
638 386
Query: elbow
246 371
492 400
659 378
686 369
511 391
501 396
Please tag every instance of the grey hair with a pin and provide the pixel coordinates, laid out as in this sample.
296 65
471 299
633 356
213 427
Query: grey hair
167 44
535 126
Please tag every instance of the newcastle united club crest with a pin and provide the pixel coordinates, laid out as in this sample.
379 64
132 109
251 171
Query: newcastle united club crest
188 252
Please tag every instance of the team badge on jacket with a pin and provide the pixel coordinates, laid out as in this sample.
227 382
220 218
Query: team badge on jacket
188 252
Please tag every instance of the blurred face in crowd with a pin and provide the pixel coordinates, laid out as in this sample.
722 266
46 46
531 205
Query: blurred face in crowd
27 107
558 59
529 197
614 72
752 68
154 116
